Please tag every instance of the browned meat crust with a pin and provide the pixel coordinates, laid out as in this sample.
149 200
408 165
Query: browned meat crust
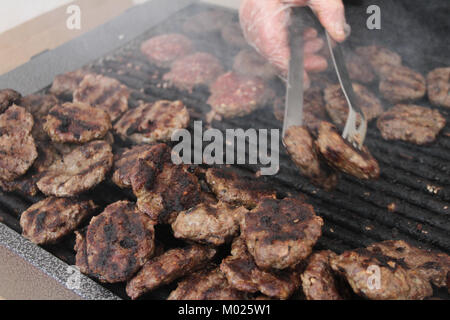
64 85
230 187
174 190
433 266
281 233
126 161
207 21
439 87
80 170
210 223
302 149
105 93
314 111
17 146
205 285
337 106
153 122
26 184
402 84
164 49
379 57
200 68
117 244
359 69
169 266
243 274
8 97
343 156
51 219
411 123
318 280
396 280
232 35
39 106
234 95
249 62
76 123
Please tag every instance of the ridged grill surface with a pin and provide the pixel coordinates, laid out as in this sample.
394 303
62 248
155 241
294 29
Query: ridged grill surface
414 179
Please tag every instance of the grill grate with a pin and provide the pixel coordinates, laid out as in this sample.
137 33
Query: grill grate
414 179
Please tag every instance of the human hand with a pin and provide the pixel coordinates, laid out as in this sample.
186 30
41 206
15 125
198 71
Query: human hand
265 26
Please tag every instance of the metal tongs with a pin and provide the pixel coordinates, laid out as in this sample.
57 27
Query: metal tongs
353 133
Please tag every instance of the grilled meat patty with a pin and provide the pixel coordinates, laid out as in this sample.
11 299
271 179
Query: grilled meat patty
376 276
175 189
188 72
234 95
337 106
53 218
152 122
281 233
64 85
244 275
438 82
76 123
379 57
238 190
411 123
433 266
233 36
8 97
210 223
400 83
205 285
167 267
39 106
126 161
17 146
164 49
318 280
80 170
302 149
104 93
343 156
314 111
207 21
251 63
359 69
26 184
117 243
